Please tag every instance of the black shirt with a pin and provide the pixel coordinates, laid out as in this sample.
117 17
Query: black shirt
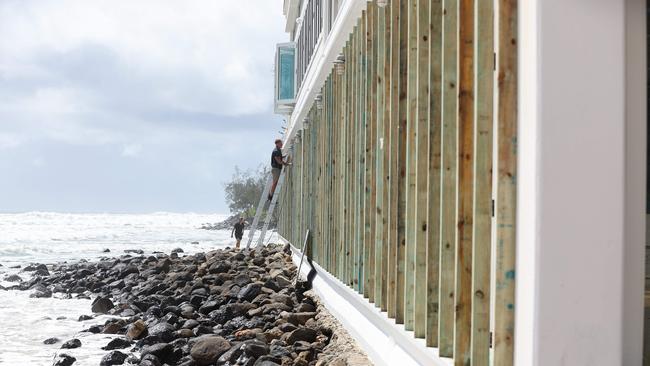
239 229
276 153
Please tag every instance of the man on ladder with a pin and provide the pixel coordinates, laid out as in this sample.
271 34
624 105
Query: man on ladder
277 162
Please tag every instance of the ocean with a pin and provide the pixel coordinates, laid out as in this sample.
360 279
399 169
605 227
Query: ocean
41 237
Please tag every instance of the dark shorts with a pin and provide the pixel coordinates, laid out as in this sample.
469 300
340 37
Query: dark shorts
276 173
239 237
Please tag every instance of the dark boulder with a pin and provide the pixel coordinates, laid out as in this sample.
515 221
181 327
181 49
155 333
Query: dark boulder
164 331
161 351
117 343
73 343
113 358
64 360
302 334
102 305
208 349
249 292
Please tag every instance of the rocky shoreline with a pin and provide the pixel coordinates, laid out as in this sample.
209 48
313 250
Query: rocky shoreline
224 307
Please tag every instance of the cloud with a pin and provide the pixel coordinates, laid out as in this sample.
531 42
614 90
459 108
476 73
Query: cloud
131 150
181 85
8 141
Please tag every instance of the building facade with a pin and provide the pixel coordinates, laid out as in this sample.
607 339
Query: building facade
471 178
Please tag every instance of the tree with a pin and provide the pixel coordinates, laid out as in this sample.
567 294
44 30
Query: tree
245 189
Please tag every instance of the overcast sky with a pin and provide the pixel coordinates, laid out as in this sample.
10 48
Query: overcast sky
133 106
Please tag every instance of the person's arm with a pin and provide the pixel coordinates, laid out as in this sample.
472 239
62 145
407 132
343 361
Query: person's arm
286 162
278 159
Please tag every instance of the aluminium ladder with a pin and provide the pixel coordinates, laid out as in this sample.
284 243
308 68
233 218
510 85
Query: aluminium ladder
260 209
274 202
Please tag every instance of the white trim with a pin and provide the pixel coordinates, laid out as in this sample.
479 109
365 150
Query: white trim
527 180
291 8
322 62
386 343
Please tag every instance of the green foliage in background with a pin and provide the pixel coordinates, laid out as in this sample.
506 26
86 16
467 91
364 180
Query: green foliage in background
244 190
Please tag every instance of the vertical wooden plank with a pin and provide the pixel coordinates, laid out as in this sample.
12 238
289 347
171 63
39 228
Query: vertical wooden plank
506 204
394 170
435 135
385 159
351 70
347 170
421 168
411 161
401 163
370 109
448 179
380 162
359 154
482 236
462 352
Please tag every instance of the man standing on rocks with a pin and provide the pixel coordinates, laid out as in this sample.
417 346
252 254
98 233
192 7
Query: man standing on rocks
238 230
276 166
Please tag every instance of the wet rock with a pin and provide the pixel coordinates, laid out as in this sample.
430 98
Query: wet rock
255 348
249 292
208 349
51 341
114 326
161 351
177 250
117 343
231 356
164 331
266 363
282 281
219 267
73 343
40 292
64 360
136 330
150 360
14 278
84 318
102 305
113 358
302 334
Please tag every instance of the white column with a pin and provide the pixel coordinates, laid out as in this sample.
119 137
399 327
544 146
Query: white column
581 183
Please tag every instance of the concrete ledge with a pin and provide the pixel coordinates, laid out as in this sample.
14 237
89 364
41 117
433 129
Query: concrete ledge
386 343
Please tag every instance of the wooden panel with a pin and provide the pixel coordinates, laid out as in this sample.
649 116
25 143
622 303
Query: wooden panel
393 169
359 184
448 202
421 168
434 202
385 158
370 115
465 182
506 204
380 161
411 161
482 237
401 162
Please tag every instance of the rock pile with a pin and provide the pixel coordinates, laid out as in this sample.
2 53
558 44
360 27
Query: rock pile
225 307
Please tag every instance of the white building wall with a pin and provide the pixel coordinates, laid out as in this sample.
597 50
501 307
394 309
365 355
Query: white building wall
580 246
